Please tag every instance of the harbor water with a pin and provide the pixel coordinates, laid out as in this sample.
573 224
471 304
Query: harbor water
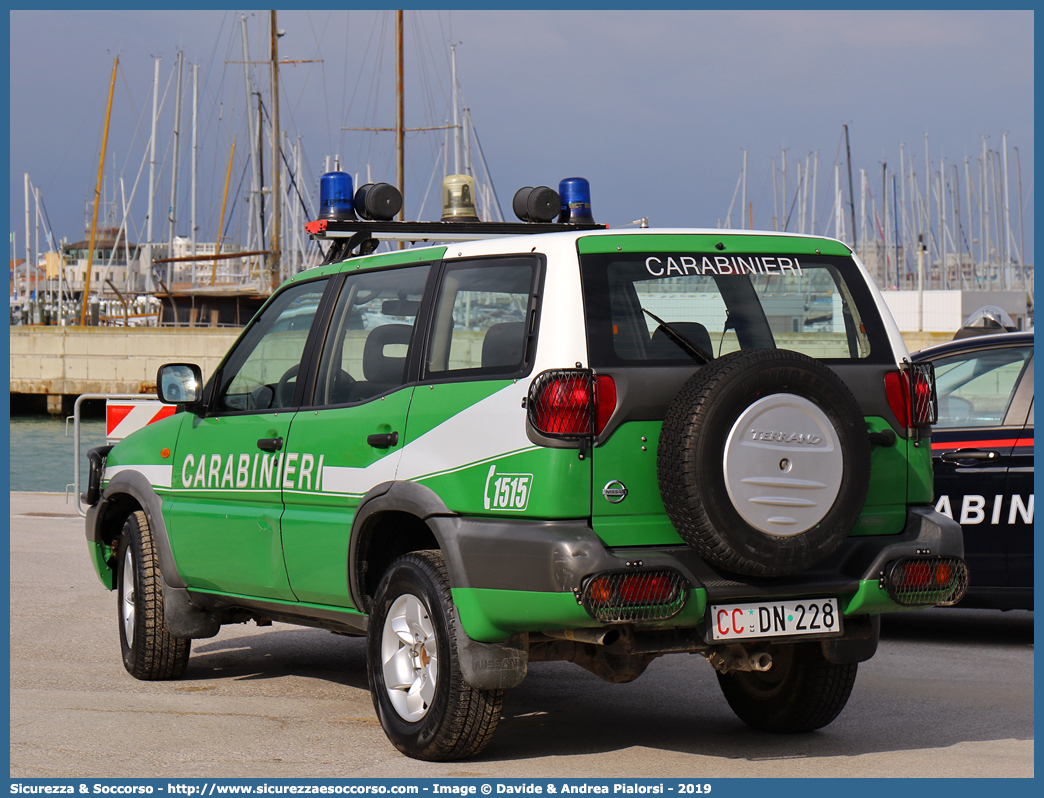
41 454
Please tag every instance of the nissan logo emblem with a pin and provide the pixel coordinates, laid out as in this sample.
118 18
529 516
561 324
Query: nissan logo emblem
614 491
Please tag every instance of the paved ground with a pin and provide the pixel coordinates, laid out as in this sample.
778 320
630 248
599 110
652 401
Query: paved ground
950 693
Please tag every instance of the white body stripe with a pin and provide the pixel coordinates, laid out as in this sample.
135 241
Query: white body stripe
356 481
451 446
460 441
158 475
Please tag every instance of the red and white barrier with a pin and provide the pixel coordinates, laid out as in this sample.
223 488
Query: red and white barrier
123 416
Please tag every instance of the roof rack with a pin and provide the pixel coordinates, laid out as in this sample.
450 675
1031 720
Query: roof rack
346 236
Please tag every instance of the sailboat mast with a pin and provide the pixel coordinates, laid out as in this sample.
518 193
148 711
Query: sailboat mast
927 199
277 166
838 216
775 199
815 179
152 182
456 120
195 153
1022 240
942 223
221 220
400 171
743 200
174 168
862 212
27 254
851 200
902 185
895 227
1007 205
984 214
97 192
971 237
255 189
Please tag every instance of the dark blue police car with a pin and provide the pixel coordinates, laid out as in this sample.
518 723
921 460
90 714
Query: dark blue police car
982 453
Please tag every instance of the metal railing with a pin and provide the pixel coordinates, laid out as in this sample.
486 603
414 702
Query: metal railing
75 418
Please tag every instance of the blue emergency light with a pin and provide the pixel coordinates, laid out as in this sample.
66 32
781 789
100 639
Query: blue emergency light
576 201
336 196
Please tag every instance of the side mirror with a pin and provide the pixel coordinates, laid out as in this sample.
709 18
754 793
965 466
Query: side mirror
179 383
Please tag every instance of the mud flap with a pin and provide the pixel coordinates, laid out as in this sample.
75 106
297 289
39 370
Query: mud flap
491 666
859 643
183 618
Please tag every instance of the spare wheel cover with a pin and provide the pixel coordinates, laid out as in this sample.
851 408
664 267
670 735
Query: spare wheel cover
783 464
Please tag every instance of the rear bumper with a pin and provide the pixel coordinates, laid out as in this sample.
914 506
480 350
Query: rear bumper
520 576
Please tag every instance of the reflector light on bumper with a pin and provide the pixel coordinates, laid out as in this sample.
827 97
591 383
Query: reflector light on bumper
628 596
926 582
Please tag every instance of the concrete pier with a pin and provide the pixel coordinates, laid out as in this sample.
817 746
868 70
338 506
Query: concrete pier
69 361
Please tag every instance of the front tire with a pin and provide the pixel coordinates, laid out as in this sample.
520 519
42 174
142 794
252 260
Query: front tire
801 692
150 652
423 703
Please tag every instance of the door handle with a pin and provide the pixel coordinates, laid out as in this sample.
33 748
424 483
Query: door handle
383 440
270 444
969 454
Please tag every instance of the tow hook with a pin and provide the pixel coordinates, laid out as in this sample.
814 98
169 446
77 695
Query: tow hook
737 658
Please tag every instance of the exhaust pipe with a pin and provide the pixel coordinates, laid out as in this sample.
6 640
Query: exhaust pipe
760 661
737 658
599 637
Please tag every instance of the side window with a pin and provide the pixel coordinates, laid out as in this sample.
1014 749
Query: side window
976 389
366 348
481 318
261 373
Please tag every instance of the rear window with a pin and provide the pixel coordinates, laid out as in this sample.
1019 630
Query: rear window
638 303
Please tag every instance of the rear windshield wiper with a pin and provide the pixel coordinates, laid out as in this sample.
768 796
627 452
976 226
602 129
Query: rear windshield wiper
697 353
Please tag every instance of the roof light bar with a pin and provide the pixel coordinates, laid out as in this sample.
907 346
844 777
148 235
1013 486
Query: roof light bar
378 203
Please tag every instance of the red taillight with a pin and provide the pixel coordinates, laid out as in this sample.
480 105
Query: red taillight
605 400
923 582
898 392
918 574
642 588
911 395
564 403
912 574
615 596
924 407
564 406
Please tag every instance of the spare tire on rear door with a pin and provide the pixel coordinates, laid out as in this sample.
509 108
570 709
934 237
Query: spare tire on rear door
764 462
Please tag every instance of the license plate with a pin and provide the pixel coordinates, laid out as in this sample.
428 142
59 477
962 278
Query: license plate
818 616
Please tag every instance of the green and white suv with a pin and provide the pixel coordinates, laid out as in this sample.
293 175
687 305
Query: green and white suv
592 445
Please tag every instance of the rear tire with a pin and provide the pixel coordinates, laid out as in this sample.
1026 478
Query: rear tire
801 692
423 703
150 652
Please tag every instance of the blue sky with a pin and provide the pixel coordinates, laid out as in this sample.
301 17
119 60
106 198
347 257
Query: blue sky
655 108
